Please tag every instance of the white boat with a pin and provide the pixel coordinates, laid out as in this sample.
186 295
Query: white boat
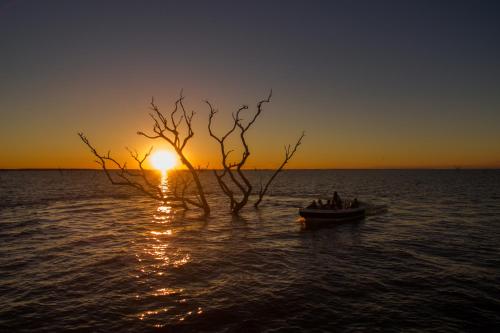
331 216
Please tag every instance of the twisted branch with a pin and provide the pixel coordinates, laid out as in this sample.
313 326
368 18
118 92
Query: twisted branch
168 128
123 174
238 178
289 152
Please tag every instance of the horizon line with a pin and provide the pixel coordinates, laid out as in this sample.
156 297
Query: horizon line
262 169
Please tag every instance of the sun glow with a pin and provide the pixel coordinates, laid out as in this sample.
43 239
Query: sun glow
163 160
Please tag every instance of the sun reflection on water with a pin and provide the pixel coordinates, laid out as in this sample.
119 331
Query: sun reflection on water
159 257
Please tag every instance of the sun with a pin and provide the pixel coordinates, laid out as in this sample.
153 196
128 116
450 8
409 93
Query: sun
163 160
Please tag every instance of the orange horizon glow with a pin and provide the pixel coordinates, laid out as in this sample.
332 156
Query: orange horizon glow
436 107
266 154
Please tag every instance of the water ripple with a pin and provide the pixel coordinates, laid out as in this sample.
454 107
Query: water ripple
79 254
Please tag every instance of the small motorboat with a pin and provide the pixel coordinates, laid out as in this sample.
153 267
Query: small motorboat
320 215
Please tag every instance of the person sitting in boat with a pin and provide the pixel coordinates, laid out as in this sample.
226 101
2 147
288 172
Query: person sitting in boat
337 201
321 204
313 204
355 203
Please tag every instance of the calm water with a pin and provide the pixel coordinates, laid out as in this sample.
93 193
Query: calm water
78 253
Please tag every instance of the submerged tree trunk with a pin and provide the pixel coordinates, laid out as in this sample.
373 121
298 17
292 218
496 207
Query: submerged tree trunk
199 187
233 171
168 127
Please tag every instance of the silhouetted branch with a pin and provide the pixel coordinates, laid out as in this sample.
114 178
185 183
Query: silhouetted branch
179 187
140 162
289 152
176 128
123 174
168 128
234 170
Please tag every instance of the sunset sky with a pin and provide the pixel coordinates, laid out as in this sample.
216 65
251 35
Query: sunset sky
374 84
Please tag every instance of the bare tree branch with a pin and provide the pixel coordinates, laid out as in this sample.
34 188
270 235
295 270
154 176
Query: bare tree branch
168 128
176 128
234 170
289 152
123 174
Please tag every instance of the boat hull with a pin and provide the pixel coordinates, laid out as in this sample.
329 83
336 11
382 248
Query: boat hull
330 216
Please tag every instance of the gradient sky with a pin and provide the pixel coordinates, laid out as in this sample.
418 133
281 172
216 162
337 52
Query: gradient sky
375 84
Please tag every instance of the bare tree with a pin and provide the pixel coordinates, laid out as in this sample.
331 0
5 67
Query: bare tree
233 171
167 128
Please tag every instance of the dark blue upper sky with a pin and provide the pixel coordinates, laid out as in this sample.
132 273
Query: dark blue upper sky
395 80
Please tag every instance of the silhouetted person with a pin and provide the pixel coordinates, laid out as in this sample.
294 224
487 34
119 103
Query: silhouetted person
337 201
313 204
321 205
355 203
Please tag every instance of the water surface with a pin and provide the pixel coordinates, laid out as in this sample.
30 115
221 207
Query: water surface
79 253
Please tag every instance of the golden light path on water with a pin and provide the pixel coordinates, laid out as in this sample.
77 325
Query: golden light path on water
157 257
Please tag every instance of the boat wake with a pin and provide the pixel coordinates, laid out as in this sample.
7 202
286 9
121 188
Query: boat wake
373 210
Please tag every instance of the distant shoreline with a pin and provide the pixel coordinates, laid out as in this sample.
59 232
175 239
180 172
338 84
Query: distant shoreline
303 169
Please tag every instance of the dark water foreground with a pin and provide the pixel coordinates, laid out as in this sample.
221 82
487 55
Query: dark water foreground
77 253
